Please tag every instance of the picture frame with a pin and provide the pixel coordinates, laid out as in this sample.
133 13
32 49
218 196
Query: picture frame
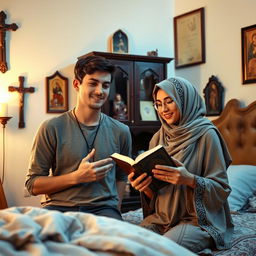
248 38
147 111
189 38
56 93
213 94
119 42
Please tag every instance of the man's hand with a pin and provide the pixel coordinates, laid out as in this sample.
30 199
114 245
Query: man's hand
92 171
86 172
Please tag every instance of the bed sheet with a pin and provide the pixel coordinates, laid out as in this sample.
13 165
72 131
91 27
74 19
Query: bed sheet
244 238
35 231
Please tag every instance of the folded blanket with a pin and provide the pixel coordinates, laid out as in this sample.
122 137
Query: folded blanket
36 231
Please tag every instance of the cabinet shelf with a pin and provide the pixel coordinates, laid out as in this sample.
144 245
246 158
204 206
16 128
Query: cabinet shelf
129 57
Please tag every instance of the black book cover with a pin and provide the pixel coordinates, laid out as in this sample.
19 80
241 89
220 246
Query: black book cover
148 163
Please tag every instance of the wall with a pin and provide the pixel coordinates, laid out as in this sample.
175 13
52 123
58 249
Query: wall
223 23
50 37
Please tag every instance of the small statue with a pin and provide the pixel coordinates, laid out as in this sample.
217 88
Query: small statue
153 53
119 108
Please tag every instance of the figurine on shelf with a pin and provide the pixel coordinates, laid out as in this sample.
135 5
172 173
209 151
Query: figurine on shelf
153 53
119 108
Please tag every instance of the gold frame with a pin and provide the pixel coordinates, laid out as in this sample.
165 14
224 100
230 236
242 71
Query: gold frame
248 54
56 102
119 42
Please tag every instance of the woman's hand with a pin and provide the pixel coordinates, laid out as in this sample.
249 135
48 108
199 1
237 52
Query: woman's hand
175 175
141 183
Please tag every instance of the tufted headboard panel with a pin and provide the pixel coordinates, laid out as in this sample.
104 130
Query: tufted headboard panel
238 128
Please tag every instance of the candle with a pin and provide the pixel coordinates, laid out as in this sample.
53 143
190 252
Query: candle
3 109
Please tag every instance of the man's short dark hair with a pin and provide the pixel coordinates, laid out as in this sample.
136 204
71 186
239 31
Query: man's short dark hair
89 65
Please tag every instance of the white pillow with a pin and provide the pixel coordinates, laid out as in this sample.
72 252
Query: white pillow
242 180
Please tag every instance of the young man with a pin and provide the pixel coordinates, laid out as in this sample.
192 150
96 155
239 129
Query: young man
70 161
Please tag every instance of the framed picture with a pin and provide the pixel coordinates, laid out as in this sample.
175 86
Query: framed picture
147 111
56 93
249 54
119 42
189 38
213 94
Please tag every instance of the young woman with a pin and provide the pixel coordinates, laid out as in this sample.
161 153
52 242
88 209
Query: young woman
192 210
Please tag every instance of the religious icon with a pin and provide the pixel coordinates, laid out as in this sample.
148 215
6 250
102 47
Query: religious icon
252 56
57 93
213 101
119 108
120 42
213 93
249 54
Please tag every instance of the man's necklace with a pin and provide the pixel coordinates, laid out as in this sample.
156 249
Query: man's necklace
89 147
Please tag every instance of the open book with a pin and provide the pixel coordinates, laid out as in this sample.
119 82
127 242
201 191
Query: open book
145 162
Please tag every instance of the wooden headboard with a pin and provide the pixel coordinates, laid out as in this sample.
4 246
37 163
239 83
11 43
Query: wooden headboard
238 128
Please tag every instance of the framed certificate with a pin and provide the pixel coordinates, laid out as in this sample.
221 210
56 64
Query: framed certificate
189 38
147 111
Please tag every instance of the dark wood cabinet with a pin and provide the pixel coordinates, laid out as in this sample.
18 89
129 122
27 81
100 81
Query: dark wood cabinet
132 84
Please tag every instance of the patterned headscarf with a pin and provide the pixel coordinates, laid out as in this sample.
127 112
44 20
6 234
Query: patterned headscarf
180 138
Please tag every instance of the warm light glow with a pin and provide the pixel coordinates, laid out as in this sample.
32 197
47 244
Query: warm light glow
4 96
3 109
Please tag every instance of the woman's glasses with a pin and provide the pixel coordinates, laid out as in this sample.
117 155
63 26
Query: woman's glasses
158 105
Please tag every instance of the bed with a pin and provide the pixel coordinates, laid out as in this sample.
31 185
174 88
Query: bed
35 231
238 127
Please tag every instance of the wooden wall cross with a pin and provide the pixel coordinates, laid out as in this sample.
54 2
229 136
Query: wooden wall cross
21 90
3 28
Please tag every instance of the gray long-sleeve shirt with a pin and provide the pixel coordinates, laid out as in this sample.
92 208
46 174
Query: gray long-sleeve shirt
58 149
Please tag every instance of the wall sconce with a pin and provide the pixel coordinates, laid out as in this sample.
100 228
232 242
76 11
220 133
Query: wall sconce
4 118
